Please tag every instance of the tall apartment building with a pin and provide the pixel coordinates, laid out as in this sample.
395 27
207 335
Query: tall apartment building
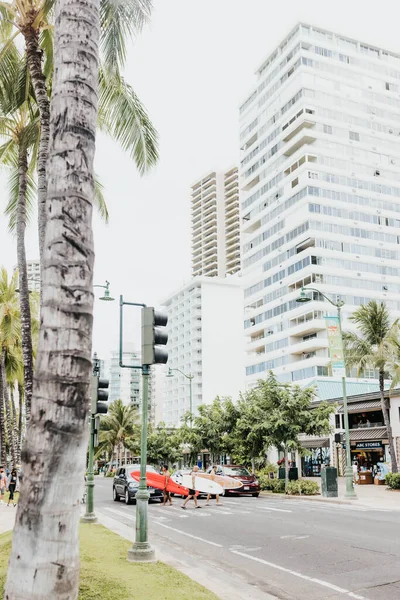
216 224
33 270
320 204
205 342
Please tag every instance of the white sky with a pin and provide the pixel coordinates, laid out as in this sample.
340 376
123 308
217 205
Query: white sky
191 67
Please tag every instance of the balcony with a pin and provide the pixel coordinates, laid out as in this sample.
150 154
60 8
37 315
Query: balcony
308 346
306 123
308 323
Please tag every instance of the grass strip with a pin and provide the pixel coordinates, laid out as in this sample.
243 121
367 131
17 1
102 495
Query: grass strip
106 574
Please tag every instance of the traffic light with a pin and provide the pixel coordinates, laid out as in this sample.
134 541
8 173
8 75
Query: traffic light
154 337
99 395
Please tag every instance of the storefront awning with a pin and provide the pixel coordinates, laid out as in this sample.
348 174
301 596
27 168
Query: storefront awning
315 443
368 433
360 406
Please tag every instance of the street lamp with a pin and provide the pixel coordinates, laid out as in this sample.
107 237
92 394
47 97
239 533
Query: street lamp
350 493
106 297
190 377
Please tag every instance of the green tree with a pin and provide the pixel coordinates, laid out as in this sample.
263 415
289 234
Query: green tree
249 434
372 347
163 445
120 112
288 412
213 426
119 430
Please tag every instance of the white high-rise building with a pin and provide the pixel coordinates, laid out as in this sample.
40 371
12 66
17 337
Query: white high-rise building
320 204
33 270
205 342
216 224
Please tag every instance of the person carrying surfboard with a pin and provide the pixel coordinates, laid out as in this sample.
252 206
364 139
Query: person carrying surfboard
213 474
192 490
167 495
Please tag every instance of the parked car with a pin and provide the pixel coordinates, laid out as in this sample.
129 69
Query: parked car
251 487
124 486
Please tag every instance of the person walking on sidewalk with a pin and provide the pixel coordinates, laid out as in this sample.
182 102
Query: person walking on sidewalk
3 484
12 482
167 495
192 491
213 474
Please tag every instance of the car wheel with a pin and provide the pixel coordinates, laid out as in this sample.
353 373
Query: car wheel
256 495
115 495
127 498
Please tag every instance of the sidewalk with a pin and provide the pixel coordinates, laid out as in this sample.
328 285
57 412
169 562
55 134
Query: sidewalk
7 517
373 496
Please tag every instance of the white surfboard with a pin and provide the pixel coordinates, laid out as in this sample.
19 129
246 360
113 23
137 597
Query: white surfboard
206 486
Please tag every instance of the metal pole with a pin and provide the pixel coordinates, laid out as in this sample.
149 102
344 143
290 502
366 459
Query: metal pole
349 493
141 550
89 516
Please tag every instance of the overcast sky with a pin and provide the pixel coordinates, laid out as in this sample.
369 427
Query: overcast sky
191 67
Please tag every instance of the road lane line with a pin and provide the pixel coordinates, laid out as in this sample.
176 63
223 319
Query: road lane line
120 513
195 537
275 509
326 584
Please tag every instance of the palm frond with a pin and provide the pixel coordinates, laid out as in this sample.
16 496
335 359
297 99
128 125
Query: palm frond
119 21
100 200
123 116
46 44
10 60
9 152
6 21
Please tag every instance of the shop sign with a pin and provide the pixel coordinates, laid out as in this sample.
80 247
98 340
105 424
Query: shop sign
335 344
369 445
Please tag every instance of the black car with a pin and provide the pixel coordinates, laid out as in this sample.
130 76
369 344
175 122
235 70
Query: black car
124 486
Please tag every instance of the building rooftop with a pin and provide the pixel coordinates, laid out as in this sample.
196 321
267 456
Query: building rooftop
331 389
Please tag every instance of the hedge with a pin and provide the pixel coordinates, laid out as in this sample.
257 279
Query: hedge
393 480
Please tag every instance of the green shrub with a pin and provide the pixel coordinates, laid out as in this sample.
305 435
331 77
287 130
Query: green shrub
111 474
393 480
278 486
293 488
309 488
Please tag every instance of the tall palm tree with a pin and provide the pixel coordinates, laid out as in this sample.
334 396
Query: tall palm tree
120 111
119 429
10 333
371 348
45 547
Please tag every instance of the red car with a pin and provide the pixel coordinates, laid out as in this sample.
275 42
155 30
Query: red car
251 487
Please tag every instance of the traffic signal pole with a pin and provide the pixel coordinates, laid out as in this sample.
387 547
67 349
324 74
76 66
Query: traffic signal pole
141 550
154 338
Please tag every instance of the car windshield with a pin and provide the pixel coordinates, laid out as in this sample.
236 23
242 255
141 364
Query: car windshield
236 471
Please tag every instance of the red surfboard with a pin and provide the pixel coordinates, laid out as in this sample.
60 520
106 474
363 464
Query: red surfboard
157 481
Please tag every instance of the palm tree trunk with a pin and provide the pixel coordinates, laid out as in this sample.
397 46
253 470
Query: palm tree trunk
10 428
2 423
385 411
34 60
20 415
44 560
26 332
17 440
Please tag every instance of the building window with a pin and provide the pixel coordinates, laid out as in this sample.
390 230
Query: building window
353 135
328 129
295 182
312 175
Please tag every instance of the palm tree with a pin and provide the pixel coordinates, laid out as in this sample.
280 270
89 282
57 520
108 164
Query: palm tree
45 547
10 332
120 112
118 430
371 347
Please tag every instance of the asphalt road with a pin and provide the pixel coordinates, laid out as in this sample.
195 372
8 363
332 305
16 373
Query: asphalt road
291 549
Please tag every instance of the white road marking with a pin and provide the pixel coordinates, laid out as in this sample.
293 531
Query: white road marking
294 537
326 584
276 509
120 513
195 537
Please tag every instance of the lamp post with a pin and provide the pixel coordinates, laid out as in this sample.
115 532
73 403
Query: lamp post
190 377
106 297
350 493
